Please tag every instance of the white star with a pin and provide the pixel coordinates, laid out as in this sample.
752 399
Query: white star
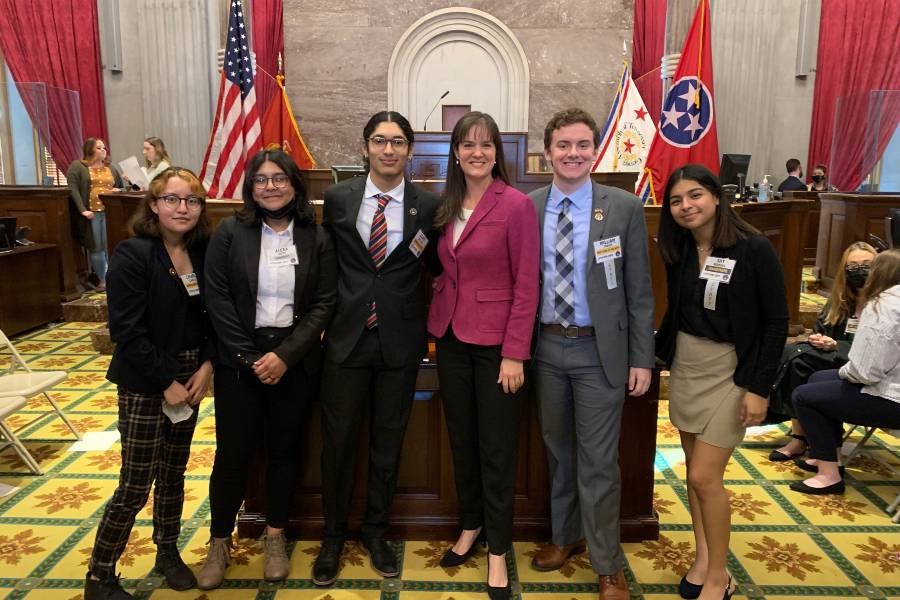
230 63
694 125
671 117
234 39
233 73
690 96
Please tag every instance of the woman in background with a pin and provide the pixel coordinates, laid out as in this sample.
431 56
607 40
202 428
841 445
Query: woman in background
820 180
87 179
156 159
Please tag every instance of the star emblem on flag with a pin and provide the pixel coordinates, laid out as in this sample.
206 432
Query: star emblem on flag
687 113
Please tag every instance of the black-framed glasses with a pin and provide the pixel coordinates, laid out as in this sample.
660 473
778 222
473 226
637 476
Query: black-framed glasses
279 180
398 143
852 267
173 201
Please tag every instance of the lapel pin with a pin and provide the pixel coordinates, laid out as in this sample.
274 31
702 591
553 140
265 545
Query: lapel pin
598 214
413 211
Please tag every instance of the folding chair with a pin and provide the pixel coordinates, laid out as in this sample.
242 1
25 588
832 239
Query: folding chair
20 380
9 405
866 435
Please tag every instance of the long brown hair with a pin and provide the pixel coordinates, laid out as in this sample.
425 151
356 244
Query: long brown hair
885 274
87 150
146 222
455 190
160 149
843 299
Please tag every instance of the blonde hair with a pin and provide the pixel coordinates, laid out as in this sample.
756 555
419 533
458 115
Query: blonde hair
160 149
844 300
885 274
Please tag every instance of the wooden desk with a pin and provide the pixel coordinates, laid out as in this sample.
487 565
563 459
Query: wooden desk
811 239
29 296
848 218
49 213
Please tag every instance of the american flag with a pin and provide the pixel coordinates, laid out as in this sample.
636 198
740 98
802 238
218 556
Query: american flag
236 131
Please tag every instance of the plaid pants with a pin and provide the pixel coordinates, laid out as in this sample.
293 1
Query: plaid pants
153 449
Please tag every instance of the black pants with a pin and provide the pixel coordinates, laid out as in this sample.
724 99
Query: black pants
246 410
828 401
483 423
347 388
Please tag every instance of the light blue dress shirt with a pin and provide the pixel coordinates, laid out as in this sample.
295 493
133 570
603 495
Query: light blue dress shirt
581 203
393 214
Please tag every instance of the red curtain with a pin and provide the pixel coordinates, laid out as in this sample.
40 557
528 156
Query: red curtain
647 46
268 43
57 43
859 43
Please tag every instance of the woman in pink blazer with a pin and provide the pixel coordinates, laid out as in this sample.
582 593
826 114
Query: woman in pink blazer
482 314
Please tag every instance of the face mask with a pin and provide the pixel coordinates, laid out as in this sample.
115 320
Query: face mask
818 178
857 278
280 213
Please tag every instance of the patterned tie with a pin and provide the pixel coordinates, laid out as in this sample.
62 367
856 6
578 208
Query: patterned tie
378 246
564 304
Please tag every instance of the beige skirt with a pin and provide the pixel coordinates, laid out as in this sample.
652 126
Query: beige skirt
703 398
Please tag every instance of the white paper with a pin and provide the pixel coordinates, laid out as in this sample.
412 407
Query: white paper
133 171
178 413
95 441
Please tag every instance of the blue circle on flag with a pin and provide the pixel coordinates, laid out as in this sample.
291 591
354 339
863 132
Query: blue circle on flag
682 122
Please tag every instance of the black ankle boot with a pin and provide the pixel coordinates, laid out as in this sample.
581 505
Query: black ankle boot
104 589
177 574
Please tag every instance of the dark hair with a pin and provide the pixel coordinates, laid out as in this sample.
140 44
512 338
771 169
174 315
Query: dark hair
729 227
570 116
455 189
145 222
386 116
250 212
822 167
792 164
87 150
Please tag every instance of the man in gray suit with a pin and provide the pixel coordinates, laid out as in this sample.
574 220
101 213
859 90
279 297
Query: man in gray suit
594 342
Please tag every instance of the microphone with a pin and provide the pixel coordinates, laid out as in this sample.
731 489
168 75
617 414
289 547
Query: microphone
444 95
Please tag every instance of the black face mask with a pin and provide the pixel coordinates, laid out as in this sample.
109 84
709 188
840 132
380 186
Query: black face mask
857 277
279 213
818 178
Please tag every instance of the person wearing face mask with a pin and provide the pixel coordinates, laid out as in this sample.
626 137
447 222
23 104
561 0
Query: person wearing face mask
820 180
826 348
271 279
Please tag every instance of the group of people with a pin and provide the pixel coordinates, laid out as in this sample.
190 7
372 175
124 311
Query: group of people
559 278
794 181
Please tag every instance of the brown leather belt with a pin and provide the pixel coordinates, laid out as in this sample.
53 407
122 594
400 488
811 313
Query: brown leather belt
571 332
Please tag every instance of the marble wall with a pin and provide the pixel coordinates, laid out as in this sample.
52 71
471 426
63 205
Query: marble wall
337 57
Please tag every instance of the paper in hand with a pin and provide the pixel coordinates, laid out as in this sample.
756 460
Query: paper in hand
133 171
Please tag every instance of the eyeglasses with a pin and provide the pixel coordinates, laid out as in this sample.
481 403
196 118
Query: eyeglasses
852 267
173 201
279 180
379 141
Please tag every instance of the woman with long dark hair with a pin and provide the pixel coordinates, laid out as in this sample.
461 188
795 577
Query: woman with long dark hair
271 287
722 335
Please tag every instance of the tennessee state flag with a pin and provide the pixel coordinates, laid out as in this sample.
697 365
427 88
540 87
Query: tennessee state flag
280 128
687 125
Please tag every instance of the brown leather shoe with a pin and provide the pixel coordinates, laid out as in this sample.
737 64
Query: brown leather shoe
551 557
613 587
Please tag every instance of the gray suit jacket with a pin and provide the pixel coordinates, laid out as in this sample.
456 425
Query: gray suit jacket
622 317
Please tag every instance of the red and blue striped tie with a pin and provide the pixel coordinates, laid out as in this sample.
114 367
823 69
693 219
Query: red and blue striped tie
378 247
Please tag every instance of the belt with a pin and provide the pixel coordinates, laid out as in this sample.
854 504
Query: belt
570 332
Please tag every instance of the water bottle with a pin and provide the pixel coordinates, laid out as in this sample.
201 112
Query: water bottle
764 189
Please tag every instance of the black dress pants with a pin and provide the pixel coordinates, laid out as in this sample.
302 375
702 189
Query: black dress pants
483 423
348 389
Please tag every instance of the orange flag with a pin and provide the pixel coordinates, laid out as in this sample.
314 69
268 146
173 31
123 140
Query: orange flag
280 128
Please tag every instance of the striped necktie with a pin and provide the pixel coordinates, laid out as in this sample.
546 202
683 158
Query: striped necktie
564 302
378 247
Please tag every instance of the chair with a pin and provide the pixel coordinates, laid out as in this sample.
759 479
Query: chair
9 405
20 380
894 506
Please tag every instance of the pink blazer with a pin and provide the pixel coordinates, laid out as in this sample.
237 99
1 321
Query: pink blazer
489 287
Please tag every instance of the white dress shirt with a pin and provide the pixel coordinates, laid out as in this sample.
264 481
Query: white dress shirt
875 352
393 214
275 292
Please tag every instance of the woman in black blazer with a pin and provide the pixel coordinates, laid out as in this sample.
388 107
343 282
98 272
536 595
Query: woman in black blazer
723 332
162 365
271 275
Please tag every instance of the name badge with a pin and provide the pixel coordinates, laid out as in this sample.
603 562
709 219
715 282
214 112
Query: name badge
191 284
710 293
418 243
852 325
607 250
717 269
282 255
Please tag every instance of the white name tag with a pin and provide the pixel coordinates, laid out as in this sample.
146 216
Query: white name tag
607 250
418 243
717 269
610 268
191 284
282 255
852 325
709 295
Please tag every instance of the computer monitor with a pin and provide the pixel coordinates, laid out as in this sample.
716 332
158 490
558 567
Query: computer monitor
7 234
734 169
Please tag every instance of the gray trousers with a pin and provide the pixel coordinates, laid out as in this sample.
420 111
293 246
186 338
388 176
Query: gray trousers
581 414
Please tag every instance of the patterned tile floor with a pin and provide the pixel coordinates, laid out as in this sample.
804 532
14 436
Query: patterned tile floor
784 545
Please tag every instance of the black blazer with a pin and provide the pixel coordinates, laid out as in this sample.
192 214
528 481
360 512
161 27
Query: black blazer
148 306
757 309
232 274
398 288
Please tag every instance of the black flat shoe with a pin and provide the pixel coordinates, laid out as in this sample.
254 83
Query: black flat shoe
499 593
452 559
729 591
776 456
834 488
688 590
810 468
